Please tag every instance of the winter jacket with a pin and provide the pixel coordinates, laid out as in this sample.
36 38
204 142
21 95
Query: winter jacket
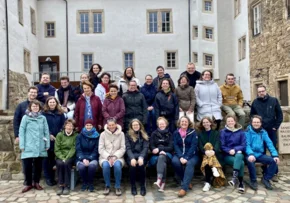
156 81
135 107
78 91
96 110
112 144
114 109
18 114
192 77
33 137
137 149
149 93
161 139
186 97
270 111
44 88
87 144
208 99
186 148
65 146
123 85
212 138
166 104
255 143
100 91
95 81
232 95
232 139
59 95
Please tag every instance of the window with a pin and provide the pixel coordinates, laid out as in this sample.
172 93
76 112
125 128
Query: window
207 6
90 21
84 22
288 8
20 11
208 60
26 60
237 7
195 57
32 21
98 16
242 48
257 19
195 32
208 33
159 21
49 29
171 59
283 92
87 61
128 59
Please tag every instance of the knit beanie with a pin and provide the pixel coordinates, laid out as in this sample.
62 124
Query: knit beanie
89 121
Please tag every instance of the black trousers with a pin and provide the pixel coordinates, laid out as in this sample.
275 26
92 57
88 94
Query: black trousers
208 174
141 170
32 165
48 164
64 171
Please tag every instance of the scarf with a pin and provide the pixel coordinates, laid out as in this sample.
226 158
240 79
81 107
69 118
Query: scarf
32 114
112 97
93 133
165 131
182 133
106 86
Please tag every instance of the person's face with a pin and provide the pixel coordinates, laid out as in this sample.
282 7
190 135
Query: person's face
129 72
64 83
136 126
69 127
256 123
206 124
262 92
161 124
105 79
148 80
45 79
184 123
183 81
111 126
132 86
96 69
191 68
113 92
206 76
230 80
87 90
231 122
160 72
89 127
35 108
52 104
32 94
165 85
84 77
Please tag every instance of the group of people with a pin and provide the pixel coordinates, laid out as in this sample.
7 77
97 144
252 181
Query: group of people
107 124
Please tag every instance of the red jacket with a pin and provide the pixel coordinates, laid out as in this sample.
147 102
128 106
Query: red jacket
96 109
114 108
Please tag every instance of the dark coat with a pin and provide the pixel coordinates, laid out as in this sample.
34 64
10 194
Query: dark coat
162 140
157 80
18 114
149 92
213 138
166 104
78 91
137 149
95 81
60 94
44 88
114 108
192 77
232 140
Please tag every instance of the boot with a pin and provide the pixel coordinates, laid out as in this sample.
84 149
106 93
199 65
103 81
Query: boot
233 182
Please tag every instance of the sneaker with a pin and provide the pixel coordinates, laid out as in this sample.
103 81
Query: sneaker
60 190
215 172
66 191
267 184
275 178
232 183
106 191
118 192
181 193
91 188
158 183
161 189
253 185
84 187
241 188
206 187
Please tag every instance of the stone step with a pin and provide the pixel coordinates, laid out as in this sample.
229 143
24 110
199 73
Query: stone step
6 113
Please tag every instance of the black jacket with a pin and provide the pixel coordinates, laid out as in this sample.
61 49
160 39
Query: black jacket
162 140
192 77
270 111
60 94
137 149
166 105
18 114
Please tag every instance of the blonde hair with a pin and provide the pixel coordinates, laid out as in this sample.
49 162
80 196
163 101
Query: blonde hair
132 134
162 118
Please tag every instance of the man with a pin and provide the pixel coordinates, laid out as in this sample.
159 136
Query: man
44 88
192 74
233 99
65 96
135 105
160 76
79 89
270 110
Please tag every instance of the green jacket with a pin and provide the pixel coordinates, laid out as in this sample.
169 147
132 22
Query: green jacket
213 138
65 146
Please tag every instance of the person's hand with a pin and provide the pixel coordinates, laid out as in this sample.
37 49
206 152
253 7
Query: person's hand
274 128
86 162
45 93
277 160
112 160
184 161
163 152
47 149
180 109
251 158
52 138
155 151
133 162
232 152
239 152
64 109
150 108
140 161
16 140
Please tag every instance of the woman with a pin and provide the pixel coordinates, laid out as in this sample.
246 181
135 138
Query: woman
89 106
113 106
65 149
102 89
208 98
185 143
161 145
149 92
123 83
233 144
166 104
55 119
112 149
186 98
137 145
87 154
94 72
208 134
33 143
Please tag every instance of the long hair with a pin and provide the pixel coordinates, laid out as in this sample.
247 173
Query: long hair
200 126
125 76
170 84
132 134
235 119
190 124
58 107
91 72
183 76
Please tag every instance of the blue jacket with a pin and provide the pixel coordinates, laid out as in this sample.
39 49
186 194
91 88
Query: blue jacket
187 148
87 145
255 143
44 88
232 140
18 114
149 93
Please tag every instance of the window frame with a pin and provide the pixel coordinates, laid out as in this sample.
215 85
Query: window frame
27 61
203 6
91 21
204 61
159 20
83 60
124 59
204 33
46 29
242 46
20 11
166 60
195 58
287 9
257 23
101 12
33 21
195 32
237 7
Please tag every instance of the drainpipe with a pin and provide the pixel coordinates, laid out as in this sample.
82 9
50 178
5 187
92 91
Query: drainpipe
189 30
7 51
66 12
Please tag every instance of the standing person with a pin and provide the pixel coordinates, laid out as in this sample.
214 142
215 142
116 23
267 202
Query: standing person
44 88
87 146
137 145
33 143
65 97
208 98
135 105
89 106
192 74
102 89
233 99
55 119
161 145
166 104
78 91
185 158
65 150
112 149
113 106
94 73
233 144
270 110
186 98
149 92
160 76
128 76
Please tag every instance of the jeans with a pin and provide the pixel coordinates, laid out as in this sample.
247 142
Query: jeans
64 171
270 167
88 172
186 171
32 165
232 110
273 136
151 122
48 164
237 161
117 173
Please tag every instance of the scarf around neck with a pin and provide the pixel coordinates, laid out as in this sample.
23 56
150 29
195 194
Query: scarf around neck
182 133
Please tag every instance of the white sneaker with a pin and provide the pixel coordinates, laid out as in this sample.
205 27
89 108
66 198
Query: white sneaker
206 187
161 189
215 172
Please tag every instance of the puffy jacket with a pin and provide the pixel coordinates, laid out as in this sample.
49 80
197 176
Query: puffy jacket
192 77
65 146
161 139
114 109
186 97
166 104
186 148
157 80
149 92
18 114
232 95
136 149
270 110
255 143
100 91
44 88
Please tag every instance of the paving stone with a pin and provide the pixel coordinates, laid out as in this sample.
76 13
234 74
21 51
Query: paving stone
22 199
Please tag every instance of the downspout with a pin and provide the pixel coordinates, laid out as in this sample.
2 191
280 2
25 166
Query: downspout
7 51
189 30
66 11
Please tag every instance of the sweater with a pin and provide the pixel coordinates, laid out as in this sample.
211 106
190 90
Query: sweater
186 97
44 88
232 95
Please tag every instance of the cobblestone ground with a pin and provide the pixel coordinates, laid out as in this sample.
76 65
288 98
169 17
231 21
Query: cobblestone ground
10 191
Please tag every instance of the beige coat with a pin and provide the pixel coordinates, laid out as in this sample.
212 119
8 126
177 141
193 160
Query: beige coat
112 144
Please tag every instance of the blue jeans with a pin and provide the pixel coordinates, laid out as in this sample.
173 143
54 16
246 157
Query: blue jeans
151 122
273 136
117 173
88 172
185 172
270 168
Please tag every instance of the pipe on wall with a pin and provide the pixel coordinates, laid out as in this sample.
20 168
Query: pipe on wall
189 30
67 61
7 51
